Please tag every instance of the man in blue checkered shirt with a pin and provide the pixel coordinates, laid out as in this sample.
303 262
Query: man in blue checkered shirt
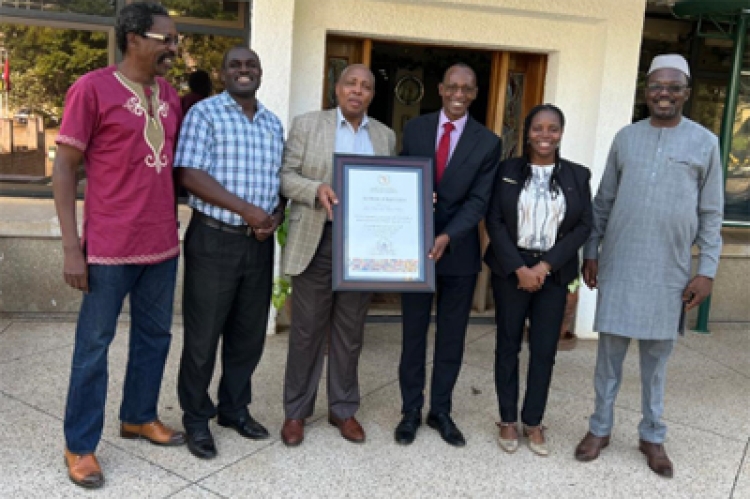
228 158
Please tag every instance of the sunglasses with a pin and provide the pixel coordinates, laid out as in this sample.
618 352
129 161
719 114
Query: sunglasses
165 39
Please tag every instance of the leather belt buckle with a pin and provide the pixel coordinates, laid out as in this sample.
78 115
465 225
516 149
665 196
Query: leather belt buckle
531 253
243 230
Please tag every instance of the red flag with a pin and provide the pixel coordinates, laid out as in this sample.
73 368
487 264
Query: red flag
6 74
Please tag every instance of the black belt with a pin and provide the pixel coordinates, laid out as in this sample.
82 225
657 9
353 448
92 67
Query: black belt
244 230
533 253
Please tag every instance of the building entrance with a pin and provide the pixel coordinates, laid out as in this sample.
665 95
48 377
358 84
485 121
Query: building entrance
406 82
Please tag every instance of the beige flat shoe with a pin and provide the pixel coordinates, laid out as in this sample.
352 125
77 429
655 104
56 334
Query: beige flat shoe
537 442
508 438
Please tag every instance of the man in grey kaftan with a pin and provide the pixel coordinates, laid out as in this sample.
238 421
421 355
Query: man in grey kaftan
661 193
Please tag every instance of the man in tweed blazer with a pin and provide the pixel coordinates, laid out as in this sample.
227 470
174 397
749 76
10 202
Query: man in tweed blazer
319 315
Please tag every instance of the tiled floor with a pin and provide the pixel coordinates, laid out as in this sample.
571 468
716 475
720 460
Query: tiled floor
707 409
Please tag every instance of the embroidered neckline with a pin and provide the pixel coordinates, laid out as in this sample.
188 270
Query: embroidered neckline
154 110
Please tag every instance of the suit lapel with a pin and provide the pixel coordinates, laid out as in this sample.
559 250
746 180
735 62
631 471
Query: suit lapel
566 180
568 187
427 139
378 139
513 178
465 146
429 133
328 131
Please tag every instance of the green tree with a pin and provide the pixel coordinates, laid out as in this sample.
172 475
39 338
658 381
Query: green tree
46 61
204 9
95 7
201 52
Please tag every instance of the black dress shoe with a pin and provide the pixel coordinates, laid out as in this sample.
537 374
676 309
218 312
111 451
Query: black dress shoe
406 431
448 430
201 444
246 426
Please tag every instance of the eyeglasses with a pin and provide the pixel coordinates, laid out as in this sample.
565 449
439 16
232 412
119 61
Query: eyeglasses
452 89
165 39
656 88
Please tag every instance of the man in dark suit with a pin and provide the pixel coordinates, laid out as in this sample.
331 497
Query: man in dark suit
466 158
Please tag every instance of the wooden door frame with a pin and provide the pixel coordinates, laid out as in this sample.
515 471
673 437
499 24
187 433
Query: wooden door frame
495 119
353 50
534 66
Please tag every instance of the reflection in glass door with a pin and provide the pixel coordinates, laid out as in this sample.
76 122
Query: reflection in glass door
737 193
709 97
42 63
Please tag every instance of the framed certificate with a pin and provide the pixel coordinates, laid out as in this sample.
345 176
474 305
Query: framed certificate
383 224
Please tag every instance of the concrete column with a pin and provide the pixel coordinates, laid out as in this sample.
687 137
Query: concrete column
271 36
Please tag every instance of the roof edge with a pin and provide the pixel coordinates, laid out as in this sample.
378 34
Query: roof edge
687 8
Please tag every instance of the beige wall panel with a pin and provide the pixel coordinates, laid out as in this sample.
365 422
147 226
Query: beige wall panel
592 46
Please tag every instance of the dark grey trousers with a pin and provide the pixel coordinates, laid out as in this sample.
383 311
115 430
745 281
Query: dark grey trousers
320 317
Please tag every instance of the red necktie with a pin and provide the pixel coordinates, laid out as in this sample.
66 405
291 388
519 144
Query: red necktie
443 150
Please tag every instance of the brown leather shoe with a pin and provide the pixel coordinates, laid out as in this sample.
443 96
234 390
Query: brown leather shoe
155 432
350 428
588 449
657 457
293 432
84 470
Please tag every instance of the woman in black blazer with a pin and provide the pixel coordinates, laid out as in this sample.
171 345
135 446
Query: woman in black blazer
539 216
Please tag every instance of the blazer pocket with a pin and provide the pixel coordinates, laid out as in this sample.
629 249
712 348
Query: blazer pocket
313 172
509 180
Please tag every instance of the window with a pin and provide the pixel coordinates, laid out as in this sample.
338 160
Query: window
711 65
49 44
212 12
198 51
43 63
737 193
99 7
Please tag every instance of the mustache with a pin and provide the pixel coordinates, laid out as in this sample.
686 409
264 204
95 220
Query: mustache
167 55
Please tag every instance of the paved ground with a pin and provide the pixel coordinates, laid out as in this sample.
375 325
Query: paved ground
708 411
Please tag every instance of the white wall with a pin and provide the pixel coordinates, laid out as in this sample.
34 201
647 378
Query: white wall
593 48
274 48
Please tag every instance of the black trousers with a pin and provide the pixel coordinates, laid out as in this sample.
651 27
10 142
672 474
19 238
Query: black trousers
454 298
545 309
227 292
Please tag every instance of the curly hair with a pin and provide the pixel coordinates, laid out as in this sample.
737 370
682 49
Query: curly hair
136 18
554 184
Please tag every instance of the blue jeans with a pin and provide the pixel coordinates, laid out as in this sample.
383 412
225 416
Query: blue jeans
151 289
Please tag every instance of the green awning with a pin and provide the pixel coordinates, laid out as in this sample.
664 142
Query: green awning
686 8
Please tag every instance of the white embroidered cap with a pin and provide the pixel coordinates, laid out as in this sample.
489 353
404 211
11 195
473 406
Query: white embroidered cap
669 61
